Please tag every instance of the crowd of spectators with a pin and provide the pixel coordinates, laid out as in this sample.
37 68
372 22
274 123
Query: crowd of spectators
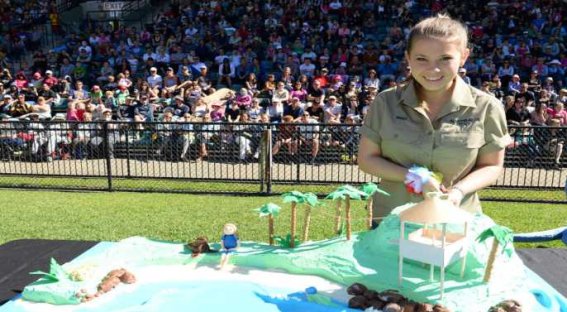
297 62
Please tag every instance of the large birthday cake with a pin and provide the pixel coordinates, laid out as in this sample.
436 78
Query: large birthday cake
269 278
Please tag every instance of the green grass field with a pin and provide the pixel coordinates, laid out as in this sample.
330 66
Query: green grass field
183 217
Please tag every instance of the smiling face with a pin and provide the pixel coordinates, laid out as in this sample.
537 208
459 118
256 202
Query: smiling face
435 62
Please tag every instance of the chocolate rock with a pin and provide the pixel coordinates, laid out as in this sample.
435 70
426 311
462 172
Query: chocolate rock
356 289
358 302
371 294
392 307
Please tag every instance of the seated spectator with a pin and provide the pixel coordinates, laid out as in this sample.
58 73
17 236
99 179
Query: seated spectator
285 136
227 72
244 136
275 111
205 132
154 79
79 92
170 80
204 82
539 117
232 112
308 129
518 115
315 92
556 142
217 113
200 109
42 108
281 93
323 78
186 135
83 134
21 81
50 96
294 109
5 105
179 108
372 80
243 99
333 111
251 83
558 114
144 111
316 111
526 94
298 92
165 132
307 68
351 137
127 112
269 85
255 110
20 107
59 138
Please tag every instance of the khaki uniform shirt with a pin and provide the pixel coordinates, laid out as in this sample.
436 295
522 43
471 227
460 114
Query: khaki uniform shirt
472 123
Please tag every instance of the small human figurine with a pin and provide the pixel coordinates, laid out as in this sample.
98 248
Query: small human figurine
229 243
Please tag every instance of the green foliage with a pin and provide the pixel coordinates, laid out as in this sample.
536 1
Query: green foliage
347 190
301 198
268 209
502 234
56 272
312 200
293 197
369 188
285 242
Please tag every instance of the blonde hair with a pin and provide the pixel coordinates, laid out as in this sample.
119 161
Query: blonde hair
441 27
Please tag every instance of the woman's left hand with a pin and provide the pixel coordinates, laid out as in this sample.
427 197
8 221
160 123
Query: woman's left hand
456 196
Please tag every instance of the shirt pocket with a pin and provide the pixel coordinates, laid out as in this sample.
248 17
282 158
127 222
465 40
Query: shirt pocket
404 134
454 136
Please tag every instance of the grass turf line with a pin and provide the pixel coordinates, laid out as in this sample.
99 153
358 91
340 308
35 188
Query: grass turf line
182 217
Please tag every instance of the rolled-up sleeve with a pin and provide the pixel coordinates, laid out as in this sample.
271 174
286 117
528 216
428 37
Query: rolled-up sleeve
495 129
371 126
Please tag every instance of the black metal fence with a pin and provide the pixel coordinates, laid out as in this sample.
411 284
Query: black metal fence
246 158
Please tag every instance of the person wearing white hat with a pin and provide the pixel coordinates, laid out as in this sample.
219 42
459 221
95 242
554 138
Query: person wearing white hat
154 79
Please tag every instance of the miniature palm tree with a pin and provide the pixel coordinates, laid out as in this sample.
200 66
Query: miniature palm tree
346 193
293 197
56 272
311 200
270 210
336 196
369 189
502 236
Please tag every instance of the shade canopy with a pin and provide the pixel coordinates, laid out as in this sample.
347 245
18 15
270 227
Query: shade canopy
435 208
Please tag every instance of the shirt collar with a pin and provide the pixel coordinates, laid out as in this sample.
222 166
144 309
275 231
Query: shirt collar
461 96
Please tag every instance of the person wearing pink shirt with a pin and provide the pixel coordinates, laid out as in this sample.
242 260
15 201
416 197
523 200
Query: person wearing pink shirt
558 113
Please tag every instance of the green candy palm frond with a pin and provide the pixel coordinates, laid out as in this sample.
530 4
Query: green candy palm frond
369 188
267 209
502 234
56 272
293 196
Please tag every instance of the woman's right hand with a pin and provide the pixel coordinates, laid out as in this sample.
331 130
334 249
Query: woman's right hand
432 185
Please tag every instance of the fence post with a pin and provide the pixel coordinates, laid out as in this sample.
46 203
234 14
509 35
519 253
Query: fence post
267 159
297 159
108 158
127 151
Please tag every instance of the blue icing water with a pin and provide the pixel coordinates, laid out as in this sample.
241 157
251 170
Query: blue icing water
210 296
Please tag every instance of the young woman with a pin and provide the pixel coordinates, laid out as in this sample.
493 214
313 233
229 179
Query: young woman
434 123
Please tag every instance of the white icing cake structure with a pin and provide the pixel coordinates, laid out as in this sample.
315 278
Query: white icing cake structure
429 244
